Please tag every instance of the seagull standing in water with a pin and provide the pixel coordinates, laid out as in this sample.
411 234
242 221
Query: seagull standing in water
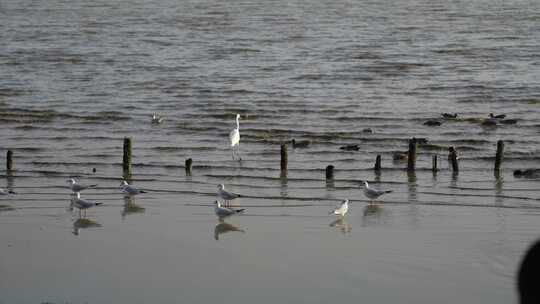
223 211
227 196
373 193
129 189
82 204
76 187
342 209
234 137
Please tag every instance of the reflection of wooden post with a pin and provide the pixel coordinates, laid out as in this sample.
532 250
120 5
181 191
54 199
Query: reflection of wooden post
284 159
411 164
377 163
453 159
329 172
9 160
499 155
126 163
188 163
434 164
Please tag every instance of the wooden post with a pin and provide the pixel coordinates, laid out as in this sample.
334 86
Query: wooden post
329 172
284 159
188 164
126 164
377 163
499 155
434 164
453 159
411 164
9 160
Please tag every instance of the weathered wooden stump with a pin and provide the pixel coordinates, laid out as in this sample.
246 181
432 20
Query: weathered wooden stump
126 163
434 164
188 164
284 159
329 172
411 162
377 166
452 157
499 155
9 160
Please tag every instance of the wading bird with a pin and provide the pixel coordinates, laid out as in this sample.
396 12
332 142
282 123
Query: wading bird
82 204
130 189
76 187
223 211
373 193
234 137
342 209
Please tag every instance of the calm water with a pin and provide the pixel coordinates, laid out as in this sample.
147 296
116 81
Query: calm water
76 77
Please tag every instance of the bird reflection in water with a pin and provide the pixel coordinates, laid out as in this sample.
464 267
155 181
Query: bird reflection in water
372 214
341 224
224 227
84 223
130 207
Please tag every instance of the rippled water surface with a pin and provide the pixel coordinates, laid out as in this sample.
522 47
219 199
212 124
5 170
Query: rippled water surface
76 77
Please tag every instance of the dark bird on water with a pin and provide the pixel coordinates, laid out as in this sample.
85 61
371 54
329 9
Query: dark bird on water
300 144
350 148
500 116
432 123
448 115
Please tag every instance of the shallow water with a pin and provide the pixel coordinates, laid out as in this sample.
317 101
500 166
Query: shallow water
77 77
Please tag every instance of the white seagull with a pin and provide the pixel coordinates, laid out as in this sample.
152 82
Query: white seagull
342 209
157 119
6 192
130 189
234 137
226 195
373 193
82 204
76 187
223 211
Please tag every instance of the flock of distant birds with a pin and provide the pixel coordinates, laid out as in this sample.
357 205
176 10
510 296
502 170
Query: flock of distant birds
223 209
492 120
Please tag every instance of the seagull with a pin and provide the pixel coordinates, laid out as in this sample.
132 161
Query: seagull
82 204
76 187
373 193
157 119
223 211
6 192
300 144
342 209
227 195
129 189
234 137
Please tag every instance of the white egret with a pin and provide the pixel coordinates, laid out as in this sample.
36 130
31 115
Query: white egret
234 137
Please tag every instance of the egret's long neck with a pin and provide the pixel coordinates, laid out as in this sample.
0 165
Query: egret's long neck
237 123
218 204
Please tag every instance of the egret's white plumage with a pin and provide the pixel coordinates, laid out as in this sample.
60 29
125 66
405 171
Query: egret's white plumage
130 189
373 193
223 211
342 209
76 187
234 137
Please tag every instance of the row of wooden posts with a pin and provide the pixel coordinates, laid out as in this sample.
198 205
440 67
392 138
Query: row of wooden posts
411 160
